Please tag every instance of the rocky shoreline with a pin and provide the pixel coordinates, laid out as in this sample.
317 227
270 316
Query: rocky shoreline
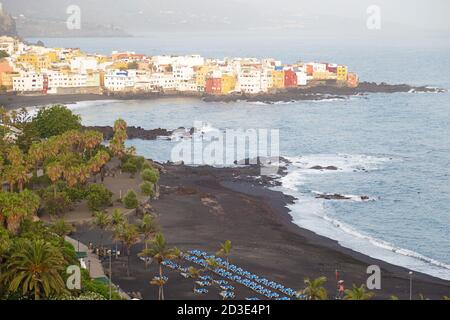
322 92
311 93
132 132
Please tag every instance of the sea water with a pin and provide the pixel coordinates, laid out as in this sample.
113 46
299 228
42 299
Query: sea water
393 148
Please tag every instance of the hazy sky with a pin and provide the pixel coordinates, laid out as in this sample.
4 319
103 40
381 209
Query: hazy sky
140 16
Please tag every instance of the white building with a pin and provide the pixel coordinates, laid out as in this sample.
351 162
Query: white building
266 80
117 80
164 81
249 81
11 45
302 78
183 72
83 64
58 79
28 82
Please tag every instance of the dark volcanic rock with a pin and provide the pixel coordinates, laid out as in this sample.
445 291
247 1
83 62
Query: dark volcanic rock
324 168
132 132
320 92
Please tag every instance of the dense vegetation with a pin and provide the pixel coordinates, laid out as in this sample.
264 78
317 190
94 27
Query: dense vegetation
48 164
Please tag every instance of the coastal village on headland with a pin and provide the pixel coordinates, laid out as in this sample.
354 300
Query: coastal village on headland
35 69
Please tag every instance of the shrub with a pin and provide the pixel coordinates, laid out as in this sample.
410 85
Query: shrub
146 165
147 188
130 200
76 193
98 197
56 204
129 167
150 175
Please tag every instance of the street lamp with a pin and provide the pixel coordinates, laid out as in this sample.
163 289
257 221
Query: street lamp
410 285
110 274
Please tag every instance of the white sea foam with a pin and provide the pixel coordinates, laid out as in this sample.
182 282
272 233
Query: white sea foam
311 213
89 104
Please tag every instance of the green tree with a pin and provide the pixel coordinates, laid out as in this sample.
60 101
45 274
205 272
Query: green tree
130 168
55 120
225 250
147 228
194 273
34 269
147 189
61 228
128 234
358 293
133 65
101 221
3 54
130 200
314 289
160 252
150 175
98 197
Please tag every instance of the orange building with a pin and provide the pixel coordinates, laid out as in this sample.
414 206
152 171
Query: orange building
352 80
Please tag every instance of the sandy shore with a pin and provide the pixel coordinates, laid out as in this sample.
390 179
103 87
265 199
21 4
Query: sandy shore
202 207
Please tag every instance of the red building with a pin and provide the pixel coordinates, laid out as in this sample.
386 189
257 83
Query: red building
332 68
213 85
290 79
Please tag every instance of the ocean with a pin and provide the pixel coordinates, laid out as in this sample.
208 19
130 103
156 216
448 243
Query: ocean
393 148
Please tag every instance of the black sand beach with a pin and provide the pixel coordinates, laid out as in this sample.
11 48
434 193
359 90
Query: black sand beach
201 207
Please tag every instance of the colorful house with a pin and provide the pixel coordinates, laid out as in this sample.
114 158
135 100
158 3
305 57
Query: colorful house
352 80
290 79
228 83
342 73
200 76
278 79
213 85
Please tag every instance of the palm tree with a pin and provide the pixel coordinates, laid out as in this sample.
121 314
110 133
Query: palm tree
147 228
160 282
54 171
62 229
101 221
5 244
34 267
129 236
15 207
314 289
160 252
117 220
194 273
358 293
225 250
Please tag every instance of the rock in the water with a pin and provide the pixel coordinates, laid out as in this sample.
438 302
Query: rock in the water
324 168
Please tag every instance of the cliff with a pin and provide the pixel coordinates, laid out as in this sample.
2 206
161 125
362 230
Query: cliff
7 24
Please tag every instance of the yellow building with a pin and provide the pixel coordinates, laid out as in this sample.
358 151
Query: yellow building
278 79
342 73
53 56
228 83
324 75
6 79
200 75
120 65
35 61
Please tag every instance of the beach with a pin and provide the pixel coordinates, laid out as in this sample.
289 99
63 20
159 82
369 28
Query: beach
201 207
